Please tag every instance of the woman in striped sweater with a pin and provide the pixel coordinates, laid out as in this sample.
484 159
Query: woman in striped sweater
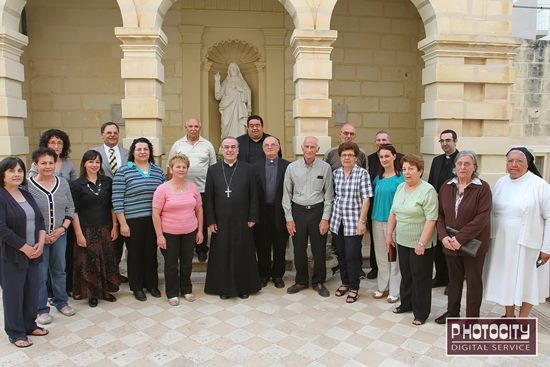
133 189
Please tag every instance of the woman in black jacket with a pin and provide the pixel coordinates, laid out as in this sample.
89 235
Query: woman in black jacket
22 236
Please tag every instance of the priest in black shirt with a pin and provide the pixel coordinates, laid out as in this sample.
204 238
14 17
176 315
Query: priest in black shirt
441 171
251 143
232 210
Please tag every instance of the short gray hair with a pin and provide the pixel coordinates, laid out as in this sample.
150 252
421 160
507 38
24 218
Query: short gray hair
467 153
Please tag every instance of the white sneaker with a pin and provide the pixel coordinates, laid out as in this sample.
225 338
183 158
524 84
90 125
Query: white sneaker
67 310
44 318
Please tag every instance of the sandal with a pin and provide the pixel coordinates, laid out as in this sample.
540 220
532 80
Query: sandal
418 322
378 294
392 299
174 301
352 296
21 342
39 331
343 289
401 309
189 297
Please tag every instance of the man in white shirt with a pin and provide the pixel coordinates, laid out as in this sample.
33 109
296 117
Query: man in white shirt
201 155
113 158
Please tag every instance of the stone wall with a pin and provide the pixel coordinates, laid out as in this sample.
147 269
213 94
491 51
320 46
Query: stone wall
531 92
377 70
72 68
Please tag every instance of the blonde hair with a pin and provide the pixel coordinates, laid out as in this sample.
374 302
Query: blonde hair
178 157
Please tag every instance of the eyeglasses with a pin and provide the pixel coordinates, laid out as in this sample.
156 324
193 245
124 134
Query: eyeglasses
515 161
348 156
441 141
348 133
228 147
271 145
56 143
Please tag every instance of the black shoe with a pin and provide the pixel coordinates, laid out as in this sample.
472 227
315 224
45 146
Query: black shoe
263 282
110 298
123 279
295 288
92 302
224 296
438 283
362 274
279 283
372 274
140 296
243 295
401 309
202 256
154 292
443 318
322 290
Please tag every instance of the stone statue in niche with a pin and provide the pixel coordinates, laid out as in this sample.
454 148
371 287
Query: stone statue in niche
235 101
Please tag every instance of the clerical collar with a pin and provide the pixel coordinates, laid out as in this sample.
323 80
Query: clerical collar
230 164
452 155
272 161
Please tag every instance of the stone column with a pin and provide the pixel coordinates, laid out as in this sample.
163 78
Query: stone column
467 88
13 108
143 75
312 71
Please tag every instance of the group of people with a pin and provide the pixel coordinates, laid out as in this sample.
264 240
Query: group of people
254 200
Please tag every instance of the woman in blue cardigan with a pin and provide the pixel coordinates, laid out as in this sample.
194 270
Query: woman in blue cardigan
22 236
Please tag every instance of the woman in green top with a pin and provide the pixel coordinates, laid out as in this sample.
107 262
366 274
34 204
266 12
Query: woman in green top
413 216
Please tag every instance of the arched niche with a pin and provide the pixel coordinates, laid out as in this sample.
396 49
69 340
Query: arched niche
218 57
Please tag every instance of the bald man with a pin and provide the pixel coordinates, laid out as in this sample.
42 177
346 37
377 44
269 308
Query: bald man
347 134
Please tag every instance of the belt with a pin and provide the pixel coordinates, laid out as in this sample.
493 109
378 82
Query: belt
308 207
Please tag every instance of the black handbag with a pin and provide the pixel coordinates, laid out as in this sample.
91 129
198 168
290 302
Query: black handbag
469 249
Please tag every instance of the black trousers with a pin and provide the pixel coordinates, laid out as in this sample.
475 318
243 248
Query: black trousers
19 298
349 257
307 226
440 261
416 281
471 269
203 247
142 254
178 263
270 245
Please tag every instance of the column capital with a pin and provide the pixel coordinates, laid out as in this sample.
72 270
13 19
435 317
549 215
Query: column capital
12 42
312 41
468 46
139 41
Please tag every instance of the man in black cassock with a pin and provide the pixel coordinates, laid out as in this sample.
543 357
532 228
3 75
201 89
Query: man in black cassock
232 209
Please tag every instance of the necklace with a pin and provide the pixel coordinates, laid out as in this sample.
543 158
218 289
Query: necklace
228 191
96 193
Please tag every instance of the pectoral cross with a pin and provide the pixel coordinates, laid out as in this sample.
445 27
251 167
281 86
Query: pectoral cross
228 192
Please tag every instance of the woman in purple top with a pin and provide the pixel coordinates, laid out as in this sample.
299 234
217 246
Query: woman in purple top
178 221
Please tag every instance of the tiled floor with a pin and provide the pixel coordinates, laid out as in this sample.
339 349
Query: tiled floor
269 329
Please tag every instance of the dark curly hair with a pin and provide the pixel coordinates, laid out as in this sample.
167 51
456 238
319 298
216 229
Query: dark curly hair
56 133
10 163
133 148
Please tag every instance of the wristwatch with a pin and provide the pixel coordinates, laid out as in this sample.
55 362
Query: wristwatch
421 243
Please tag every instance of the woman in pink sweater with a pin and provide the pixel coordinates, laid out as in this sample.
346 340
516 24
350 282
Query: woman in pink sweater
178 221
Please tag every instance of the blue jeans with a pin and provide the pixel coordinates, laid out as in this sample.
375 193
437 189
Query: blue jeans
53 263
